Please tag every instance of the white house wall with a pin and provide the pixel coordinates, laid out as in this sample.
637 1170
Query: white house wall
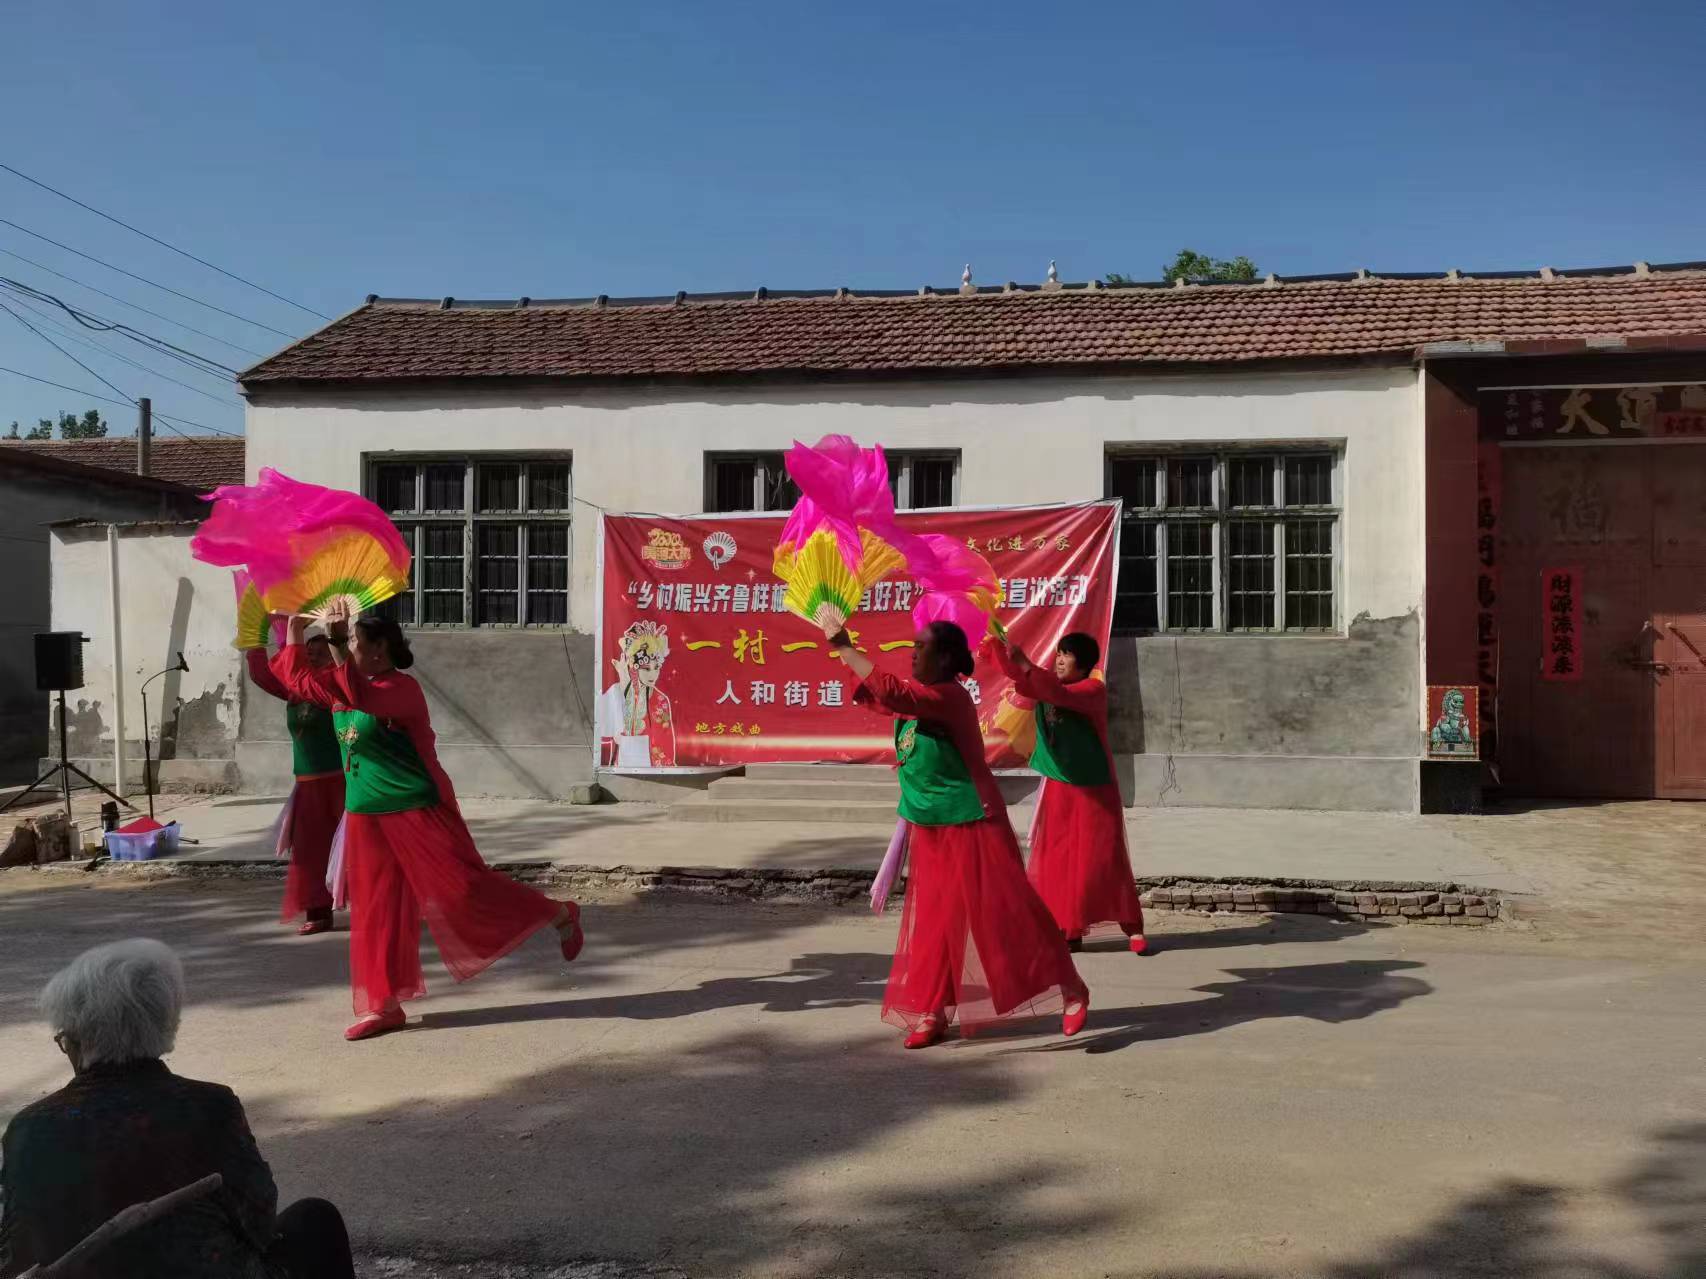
1020 441
171 604
1309 721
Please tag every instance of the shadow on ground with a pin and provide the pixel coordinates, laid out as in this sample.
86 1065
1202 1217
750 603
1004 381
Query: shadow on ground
237 952
1513 1230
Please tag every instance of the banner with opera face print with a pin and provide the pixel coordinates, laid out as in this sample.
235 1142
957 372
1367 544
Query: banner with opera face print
699 666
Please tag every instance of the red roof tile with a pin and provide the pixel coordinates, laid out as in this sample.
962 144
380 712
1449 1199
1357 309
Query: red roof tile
202 463
387 340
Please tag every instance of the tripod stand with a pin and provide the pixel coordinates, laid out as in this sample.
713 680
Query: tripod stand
63 771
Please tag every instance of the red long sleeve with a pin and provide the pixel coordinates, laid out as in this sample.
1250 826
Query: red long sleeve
947 705
904 698
394 697
261 674
1086 696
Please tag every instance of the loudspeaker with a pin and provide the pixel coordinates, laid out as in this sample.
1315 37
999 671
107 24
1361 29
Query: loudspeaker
59 660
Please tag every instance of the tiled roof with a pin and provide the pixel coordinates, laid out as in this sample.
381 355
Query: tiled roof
844 332
202 463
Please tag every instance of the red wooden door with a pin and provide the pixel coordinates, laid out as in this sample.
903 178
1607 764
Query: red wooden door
1679 621
1586 509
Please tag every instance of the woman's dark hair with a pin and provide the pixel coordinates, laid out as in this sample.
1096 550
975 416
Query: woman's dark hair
382 630
951 643
1082 649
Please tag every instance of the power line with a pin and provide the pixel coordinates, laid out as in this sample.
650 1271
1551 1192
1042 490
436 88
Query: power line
163 244
89 320
44 337
82 284
107 399
155 284
135 364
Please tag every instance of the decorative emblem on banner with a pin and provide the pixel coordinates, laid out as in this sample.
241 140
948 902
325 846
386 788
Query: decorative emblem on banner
666 550
719 549
1454 722
1561 625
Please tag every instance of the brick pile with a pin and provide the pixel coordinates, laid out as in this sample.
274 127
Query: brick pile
1398 906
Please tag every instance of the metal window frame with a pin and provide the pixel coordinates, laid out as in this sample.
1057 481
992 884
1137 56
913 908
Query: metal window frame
901 463
1220 513
470 519
758 458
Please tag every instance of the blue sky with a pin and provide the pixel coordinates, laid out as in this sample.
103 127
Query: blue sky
564 149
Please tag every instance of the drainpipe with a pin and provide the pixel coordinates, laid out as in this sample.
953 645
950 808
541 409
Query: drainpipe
117 622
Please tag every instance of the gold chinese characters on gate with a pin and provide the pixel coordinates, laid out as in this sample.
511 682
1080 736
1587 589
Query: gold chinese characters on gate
1594 412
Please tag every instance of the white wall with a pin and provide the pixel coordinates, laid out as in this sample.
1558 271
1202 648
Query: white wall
170 603
1021 440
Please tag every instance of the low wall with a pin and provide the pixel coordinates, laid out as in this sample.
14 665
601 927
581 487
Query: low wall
512 710
1282 721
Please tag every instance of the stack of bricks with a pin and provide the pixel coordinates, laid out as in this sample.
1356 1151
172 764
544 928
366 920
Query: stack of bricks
1399 906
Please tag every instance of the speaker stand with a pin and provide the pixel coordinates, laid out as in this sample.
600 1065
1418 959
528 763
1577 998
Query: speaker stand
63 770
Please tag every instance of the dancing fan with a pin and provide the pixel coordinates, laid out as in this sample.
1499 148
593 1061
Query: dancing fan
305 547
254 624
838 542
958 585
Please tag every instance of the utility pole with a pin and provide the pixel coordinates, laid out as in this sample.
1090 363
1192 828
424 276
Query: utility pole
144 433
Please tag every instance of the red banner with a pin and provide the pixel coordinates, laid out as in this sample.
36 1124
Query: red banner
700 667
1561 625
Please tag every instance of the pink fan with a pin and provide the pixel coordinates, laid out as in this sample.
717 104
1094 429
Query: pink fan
839 539
305 546
958 585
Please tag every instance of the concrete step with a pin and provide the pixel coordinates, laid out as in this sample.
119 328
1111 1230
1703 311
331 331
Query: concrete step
850 812
731 790
818 772
813 812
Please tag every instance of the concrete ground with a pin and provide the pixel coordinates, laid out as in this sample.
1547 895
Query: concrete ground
1616 875
709 1092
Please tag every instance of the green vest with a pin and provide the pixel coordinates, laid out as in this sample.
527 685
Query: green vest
313 740
936 788
1068 748
383 772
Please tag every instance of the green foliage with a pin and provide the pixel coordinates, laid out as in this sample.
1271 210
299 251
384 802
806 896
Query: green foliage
91 426
1197 268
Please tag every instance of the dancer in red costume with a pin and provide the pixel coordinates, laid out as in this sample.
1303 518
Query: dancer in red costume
976 944
1079 864
316 803
407 852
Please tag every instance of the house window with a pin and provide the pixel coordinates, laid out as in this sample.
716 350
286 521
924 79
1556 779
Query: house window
748 482
921 479
489 536
1226 541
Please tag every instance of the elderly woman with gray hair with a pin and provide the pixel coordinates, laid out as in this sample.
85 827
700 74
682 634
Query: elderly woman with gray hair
126 1130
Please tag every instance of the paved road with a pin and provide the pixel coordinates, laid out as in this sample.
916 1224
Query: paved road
708 1092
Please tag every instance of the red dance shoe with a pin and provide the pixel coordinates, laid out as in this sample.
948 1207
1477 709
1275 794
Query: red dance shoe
1077 1013
376 1024
315 925
929 1030
1138 945
572 936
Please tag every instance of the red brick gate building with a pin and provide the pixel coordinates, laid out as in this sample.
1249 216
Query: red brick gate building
1566 559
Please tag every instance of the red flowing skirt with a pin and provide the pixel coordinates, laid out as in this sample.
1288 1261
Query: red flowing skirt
1079 864
316 808
421 866
975 942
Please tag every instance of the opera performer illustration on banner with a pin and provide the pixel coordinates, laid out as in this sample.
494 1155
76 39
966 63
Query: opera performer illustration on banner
635 726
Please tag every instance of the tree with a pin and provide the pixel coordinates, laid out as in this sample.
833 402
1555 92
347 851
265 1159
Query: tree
90 426
13 433
42 430
1198 268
